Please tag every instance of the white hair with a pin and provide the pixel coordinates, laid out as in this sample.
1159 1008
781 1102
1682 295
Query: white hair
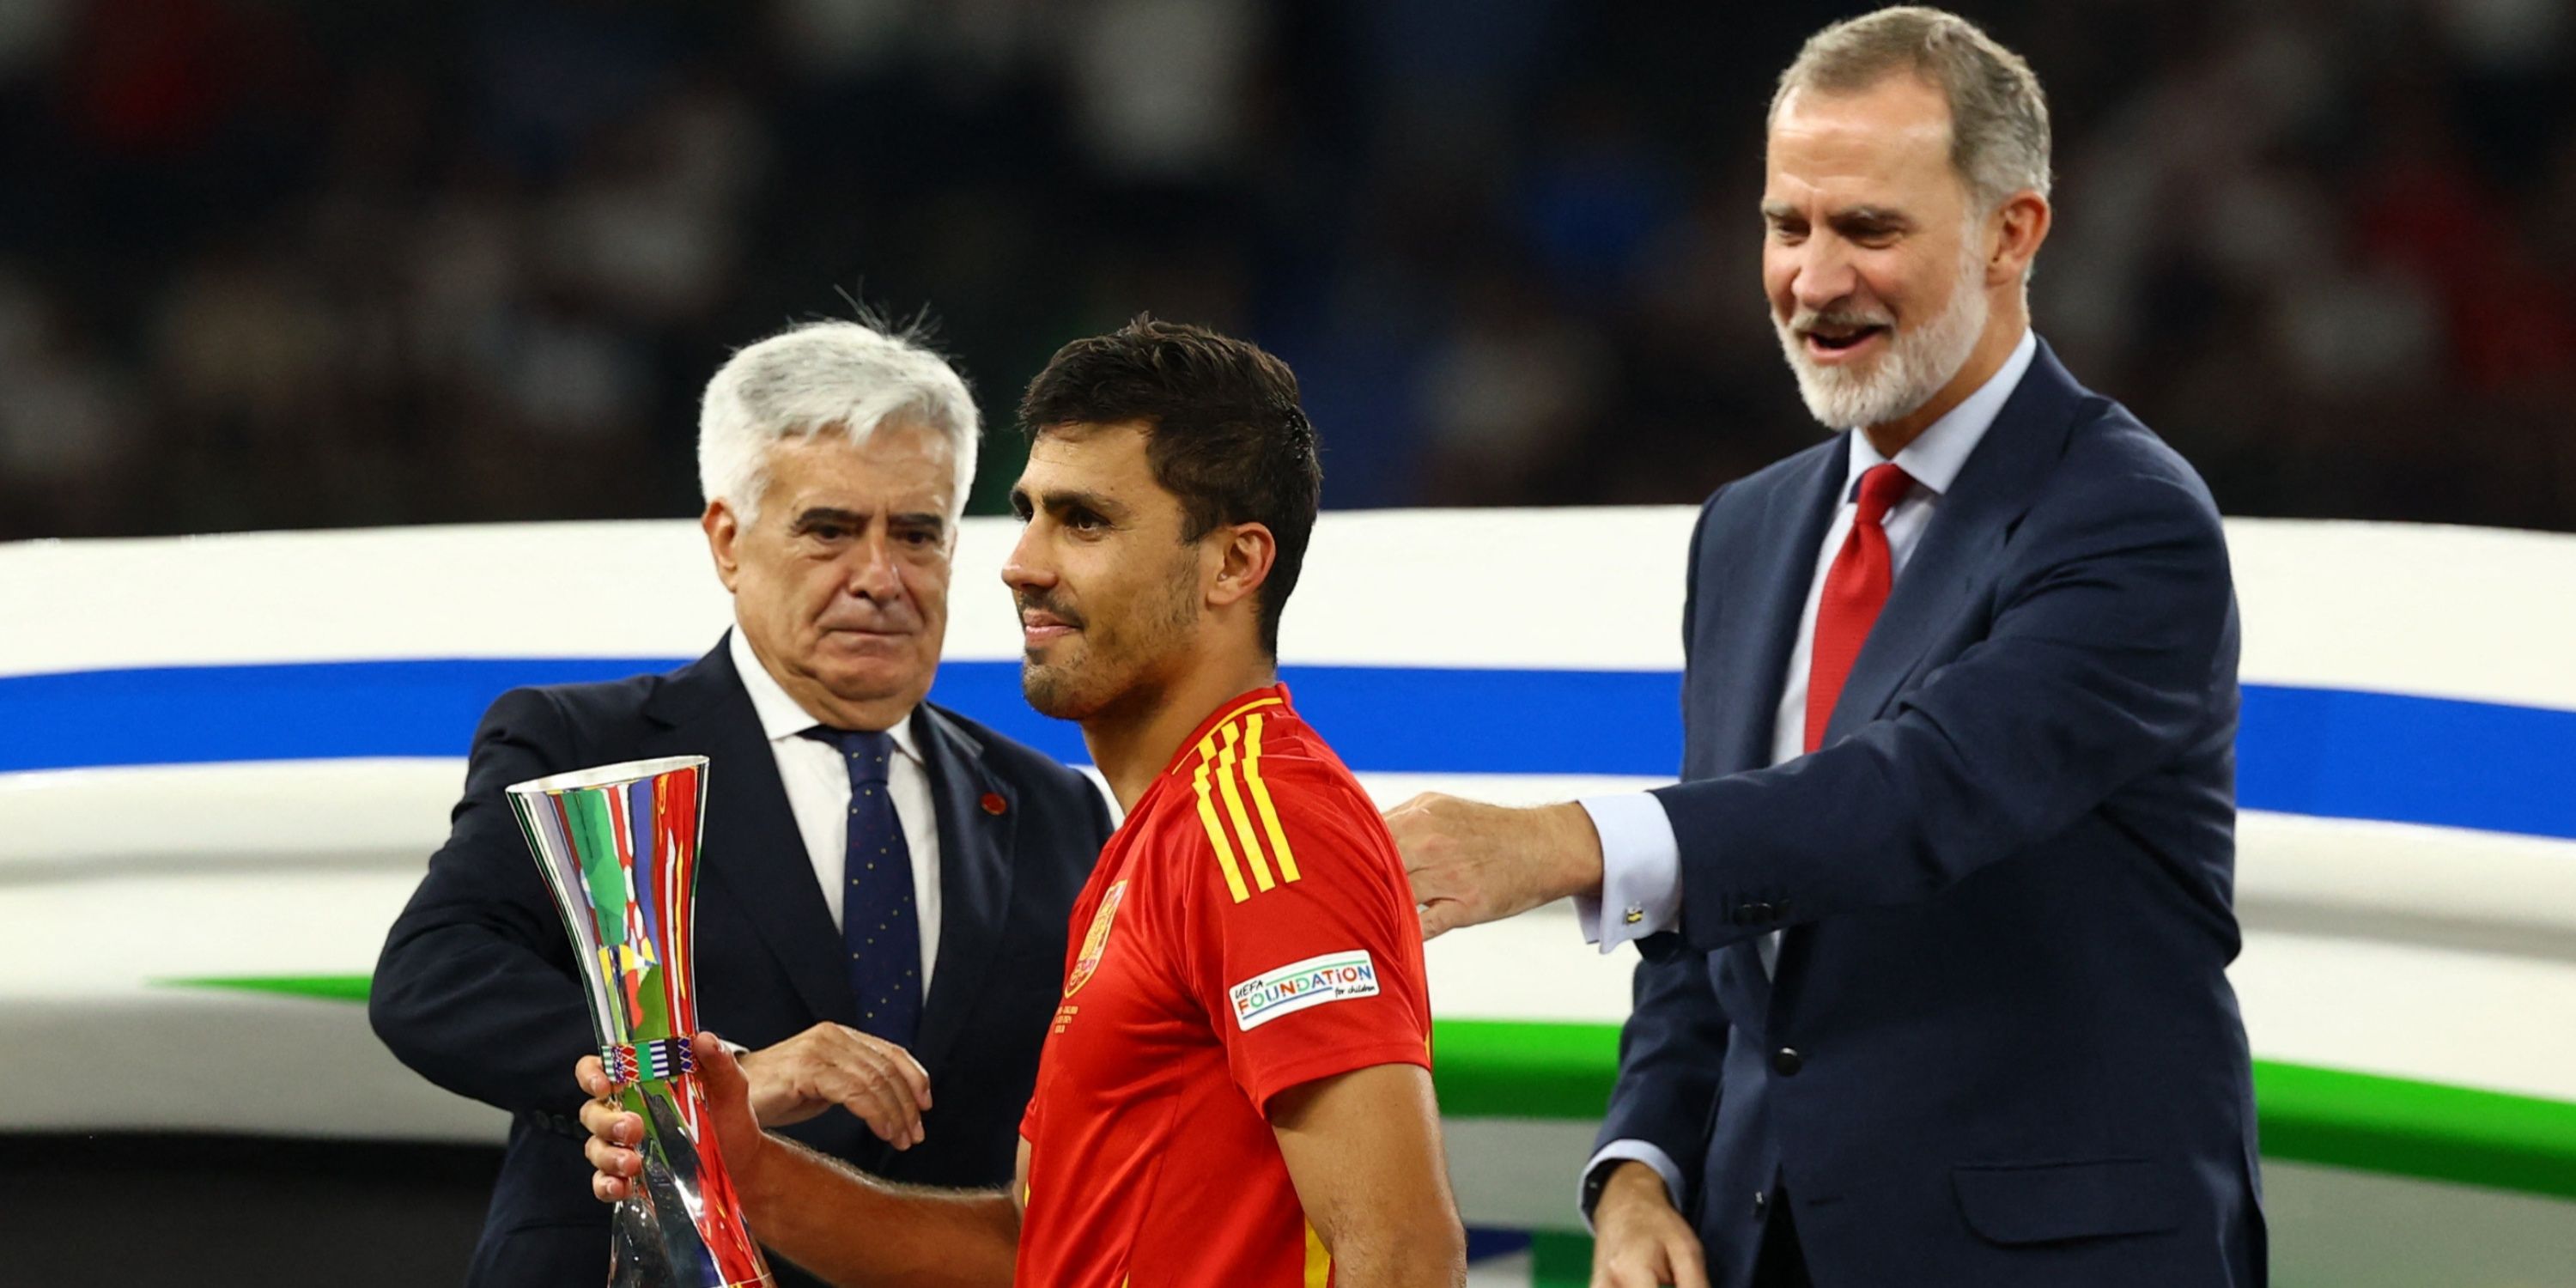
846 378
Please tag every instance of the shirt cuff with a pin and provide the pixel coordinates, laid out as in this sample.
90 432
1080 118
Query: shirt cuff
1641 1151
1641 871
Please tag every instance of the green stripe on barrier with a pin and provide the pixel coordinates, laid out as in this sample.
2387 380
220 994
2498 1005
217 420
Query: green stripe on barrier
1560 1260
1501 1069
336 988
2363 1121
1510 1069
2422 1129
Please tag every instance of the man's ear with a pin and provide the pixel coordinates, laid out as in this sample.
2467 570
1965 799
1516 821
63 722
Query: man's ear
2021 224
1243 563
724 530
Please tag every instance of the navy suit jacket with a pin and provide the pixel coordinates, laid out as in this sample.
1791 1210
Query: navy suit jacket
476 990
2000 1048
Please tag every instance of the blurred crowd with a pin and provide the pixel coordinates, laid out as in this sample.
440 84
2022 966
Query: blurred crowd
283 263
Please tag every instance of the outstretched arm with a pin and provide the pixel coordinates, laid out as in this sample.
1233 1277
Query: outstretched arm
847 1228
2102 662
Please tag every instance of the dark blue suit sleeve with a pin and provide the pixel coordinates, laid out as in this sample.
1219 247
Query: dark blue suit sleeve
1673 1046
2099 663
475 988
1672 1053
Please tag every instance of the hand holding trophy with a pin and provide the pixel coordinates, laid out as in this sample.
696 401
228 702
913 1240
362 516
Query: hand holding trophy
619 849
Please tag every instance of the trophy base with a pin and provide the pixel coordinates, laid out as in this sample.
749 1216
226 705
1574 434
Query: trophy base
644 1252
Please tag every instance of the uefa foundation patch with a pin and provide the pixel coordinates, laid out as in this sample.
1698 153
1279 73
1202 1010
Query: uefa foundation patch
1333 977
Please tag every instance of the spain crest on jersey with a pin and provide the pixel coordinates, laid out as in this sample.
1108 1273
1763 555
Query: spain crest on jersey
1095 941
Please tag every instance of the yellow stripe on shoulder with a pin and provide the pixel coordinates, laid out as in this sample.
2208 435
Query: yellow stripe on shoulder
1228 778
1255 705
1237 809
1261 799
1216 830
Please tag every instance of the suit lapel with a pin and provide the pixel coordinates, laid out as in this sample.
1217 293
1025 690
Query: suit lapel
753 847
1754 645
1994 490
974 878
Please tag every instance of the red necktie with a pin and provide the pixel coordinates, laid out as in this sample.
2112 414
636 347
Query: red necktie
1855 589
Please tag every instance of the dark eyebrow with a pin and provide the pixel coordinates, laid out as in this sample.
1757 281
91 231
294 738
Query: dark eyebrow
1777 211
1059 503
1870 217
920 519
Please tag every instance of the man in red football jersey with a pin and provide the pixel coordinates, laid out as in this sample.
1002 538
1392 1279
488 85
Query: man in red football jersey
1236 1089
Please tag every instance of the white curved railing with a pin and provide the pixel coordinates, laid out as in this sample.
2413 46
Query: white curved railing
228 758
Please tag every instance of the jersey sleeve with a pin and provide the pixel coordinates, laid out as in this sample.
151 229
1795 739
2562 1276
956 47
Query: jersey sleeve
1301 941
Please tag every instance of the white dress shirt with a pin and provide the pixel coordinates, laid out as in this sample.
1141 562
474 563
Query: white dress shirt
1641 859
818 794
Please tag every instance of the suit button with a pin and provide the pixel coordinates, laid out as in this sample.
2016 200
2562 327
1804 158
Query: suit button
1786 1062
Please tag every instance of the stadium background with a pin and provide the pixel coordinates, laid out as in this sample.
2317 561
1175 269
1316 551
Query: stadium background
284 265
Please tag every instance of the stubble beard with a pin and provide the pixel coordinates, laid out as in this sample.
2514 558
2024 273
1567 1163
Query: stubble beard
1109 666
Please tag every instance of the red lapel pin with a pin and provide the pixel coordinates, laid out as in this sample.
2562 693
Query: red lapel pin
993 803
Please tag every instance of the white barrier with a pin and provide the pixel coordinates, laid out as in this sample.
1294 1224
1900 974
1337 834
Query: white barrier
2416 941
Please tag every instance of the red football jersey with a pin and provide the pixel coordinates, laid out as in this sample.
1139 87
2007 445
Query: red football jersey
1248 929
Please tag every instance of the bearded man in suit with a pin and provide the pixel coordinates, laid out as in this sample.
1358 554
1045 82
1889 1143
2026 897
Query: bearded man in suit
1936 924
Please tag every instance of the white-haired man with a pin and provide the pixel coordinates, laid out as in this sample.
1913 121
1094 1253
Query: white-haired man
1936 925
886 883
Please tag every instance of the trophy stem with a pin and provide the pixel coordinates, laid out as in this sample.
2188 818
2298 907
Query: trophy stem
619 846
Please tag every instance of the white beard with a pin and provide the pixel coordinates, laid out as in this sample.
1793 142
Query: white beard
1917 363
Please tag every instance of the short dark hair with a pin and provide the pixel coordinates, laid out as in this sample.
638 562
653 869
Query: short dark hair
1223 431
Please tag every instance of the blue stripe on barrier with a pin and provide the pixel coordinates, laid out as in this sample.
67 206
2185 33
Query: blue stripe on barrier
310 710
2342 754
2328 752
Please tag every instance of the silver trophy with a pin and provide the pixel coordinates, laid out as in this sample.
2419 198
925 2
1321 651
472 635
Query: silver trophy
619 848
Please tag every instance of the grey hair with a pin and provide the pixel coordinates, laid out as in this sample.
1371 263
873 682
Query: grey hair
1998 115
847 378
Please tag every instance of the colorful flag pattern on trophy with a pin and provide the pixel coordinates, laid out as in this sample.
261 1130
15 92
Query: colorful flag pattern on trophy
619 849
